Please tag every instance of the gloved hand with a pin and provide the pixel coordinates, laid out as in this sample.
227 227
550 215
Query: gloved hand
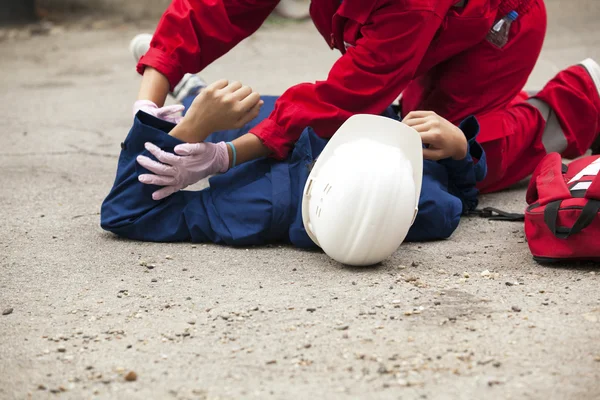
167 113
193 162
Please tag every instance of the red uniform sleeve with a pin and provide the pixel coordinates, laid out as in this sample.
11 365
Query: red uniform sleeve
365 80
193 33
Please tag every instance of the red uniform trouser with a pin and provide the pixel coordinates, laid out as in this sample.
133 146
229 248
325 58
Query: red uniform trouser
487 82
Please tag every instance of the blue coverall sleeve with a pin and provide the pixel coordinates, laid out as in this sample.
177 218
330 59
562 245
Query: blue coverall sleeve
248 205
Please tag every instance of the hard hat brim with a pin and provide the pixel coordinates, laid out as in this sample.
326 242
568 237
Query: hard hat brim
383 130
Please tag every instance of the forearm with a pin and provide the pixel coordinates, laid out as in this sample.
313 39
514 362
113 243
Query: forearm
248 147
154 87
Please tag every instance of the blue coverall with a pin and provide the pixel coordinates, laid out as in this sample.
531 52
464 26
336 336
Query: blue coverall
259 202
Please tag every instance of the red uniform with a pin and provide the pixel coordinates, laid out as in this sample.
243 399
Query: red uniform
434 52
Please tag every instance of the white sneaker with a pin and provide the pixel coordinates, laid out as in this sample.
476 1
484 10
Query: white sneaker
294 9
189 84
140 45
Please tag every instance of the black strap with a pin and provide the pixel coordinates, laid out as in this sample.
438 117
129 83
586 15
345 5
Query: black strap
587 216
565 168
494 214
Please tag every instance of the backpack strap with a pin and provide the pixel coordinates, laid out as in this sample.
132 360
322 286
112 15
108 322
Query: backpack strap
495 214
547 183
587 216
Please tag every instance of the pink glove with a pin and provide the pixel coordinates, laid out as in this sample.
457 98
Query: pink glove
167 113
195 161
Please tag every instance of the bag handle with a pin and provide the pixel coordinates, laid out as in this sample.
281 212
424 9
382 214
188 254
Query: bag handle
547 183
587 216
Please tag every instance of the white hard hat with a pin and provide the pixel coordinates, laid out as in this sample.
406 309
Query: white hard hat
362 194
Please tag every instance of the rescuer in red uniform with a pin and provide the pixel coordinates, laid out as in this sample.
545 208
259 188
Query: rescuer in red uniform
456 58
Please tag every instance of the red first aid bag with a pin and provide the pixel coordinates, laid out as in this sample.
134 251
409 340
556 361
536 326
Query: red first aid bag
562 222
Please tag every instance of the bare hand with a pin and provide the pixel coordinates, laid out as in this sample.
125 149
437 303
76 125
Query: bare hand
443 139
221 105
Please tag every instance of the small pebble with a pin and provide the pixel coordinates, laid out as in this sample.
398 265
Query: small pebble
437 303
270 362
516 308
154 280
131 376
485 273
61 349
466 275
41 387
342 328
311 309
7 311
168 257
509 284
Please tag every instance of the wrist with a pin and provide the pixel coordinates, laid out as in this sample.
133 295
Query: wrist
461 149
224 157
189 133
460 146
231 156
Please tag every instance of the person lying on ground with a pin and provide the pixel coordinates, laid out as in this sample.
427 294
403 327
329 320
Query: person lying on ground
260 201
454 57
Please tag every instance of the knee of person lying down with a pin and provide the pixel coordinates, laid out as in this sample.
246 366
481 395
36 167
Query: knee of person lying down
434 221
